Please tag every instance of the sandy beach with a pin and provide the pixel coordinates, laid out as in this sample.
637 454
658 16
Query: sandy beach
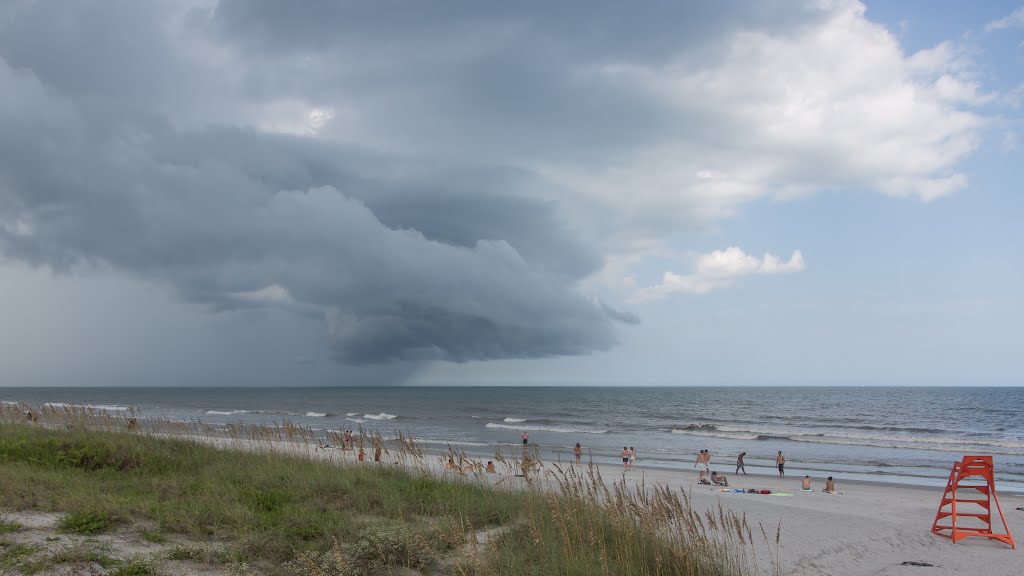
864 529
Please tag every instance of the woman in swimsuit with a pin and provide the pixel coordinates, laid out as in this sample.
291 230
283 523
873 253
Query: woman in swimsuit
578 451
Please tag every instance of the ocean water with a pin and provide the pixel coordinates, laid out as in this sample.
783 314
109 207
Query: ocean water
908 435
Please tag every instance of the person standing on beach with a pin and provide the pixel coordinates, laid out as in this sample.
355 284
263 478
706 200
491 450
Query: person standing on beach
578 452
526 438
739 464
632 458
780 461
376 452
625 458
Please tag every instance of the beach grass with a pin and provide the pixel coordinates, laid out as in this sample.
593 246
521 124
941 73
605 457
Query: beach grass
266 512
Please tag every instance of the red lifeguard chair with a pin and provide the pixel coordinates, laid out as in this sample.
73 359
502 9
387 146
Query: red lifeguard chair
971 516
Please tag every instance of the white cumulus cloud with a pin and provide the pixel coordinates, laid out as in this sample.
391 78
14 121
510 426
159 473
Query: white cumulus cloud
717 270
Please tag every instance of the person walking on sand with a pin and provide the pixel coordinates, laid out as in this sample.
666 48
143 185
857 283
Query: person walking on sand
780 461
632 458
739 464
625 458
578 452
700 459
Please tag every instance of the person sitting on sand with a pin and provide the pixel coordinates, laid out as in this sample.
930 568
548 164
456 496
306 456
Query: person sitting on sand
451 465
490 467
806 484
830 486
719 480
467 469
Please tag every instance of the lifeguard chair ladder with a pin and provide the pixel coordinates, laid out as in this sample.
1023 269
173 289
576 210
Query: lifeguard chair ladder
978 508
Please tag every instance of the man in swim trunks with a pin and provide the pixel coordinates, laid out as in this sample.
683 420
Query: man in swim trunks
625 458
780 461
526 438
739 464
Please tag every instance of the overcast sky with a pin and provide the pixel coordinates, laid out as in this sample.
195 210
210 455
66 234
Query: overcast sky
261 192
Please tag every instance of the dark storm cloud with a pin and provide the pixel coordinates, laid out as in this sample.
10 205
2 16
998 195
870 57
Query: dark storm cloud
509 79
405 261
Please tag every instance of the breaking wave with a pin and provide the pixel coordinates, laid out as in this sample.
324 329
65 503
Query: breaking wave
381 416
537 428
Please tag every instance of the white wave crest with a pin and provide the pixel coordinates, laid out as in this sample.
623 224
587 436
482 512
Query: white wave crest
514 420
87 406
223 413
715 434
381 416
537 428
315 414
352 414
356 420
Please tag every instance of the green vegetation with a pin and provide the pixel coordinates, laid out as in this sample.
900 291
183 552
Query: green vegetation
8 527
266 512
84 522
